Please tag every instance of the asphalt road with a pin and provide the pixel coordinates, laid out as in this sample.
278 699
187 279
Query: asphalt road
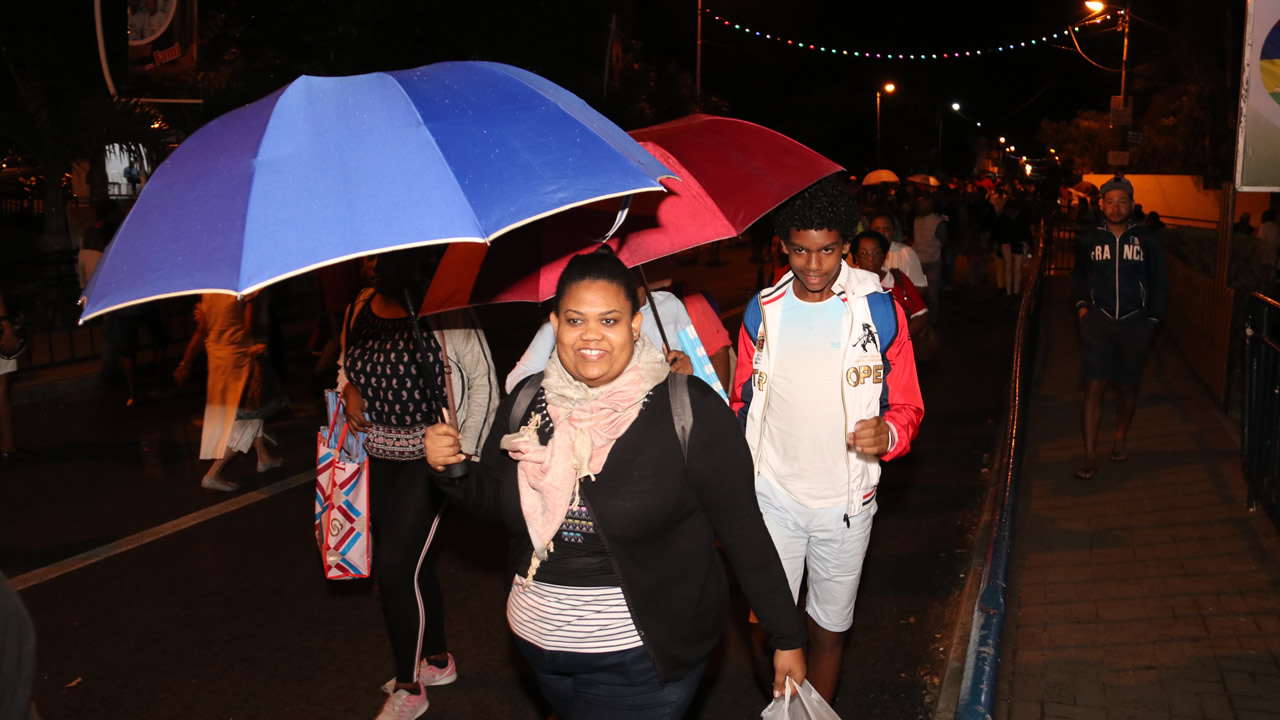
231 618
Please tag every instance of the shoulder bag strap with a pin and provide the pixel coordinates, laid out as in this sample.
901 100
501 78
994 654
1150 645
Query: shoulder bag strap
681 409
523 398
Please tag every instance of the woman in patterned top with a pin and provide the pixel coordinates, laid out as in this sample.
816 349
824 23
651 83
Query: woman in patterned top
385 393
618 595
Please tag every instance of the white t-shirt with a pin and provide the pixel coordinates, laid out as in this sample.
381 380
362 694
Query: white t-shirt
804 451
674 319
902 257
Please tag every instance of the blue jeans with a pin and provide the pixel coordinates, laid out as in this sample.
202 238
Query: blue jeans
620 685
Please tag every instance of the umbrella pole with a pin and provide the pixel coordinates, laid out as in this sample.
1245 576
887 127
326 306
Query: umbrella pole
649 296
456 470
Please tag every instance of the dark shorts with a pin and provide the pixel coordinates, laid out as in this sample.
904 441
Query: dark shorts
1114 350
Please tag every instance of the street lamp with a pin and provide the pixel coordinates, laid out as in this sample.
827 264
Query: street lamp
1095 7
888 88
1002 140
955 106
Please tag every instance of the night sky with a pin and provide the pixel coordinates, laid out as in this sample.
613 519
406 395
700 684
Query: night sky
824 100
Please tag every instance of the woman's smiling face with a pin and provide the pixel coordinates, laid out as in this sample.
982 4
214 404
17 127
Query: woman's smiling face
595 331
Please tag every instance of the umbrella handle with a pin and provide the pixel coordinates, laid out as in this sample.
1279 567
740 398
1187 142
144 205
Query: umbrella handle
459 469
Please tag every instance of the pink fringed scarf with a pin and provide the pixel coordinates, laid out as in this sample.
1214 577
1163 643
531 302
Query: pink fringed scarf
586 421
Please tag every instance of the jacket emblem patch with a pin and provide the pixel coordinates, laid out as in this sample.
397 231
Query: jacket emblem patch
868 337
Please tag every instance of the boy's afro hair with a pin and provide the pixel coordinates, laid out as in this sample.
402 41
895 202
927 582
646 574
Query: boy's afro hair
825 205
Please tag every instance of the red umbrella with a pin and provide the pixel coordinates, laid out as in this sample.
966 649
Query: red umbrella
732 173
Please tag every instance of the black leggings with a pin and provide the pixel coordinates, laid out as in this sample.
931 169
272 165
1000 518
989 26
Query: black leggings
404 505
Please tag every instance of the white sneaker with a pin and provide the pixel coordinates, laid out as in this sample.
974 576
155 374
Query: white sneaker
429 675
216 483
404 705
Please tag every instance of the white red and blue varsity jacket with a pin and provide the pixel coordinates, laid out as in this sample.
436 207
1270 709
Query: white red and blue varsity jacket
879 377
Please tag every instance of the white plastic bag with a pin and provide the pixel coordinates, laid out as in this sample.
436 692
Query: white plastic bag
803 704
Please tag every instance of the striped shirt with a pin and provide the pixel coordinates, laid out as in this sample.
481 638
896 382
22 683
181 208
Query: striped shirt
571 619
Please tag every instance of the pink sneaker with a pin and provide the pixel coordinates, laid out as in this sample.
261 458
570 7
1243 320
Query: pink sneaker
404 705
429 675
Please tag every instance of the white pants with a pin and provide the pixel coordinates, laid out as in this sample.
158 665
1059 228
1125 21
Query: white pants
819 539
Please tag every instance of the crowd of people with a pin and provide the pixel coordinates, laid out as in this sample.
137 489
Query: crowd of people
617 591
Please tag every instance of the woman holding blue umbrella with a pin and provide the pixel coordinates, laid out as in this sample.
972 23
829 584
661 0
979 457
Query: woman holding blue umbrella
393 379
618 594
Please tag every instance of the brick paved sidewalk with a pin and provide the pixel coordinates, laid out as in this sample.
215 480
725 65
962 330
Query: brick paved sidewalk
1149 591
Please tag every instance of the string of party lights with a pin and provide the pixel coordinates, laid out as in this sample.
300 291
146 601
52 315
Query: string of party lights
1043 40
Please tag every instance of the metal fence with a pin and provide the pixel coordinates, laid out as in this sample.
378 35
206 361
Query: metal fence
1058 246
45 289
982 662
1260 417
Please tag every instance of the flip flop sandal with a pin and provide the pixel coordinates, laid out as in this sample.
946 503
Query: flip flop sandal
1086 473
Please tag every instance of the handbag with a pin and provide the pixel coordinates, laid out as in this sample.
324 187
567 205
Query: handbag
804 704
342 498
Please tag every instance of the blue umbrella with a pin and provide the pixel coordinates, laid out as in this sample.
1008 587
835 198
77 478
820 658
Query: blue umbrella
329 168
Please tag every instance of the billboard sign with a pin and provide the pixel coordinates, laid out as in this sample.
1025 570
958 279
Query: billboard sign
1258 135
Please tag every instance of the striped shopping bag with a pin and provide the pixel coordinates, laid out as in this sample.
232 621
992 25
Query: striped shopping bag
342 499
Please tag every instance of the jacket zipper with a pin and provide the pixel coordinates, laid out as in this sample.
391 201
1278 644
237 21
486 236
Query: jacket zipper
844 406
764 332
622 584
1117 276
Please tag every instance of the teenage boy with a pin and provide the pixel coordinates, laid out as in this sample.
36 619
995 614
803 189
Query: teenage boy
826 388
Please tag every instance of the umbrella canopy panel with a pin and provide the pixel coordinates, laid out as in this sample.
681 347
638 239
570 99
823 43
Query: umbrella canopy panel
877 177
731 173
745 168
331 168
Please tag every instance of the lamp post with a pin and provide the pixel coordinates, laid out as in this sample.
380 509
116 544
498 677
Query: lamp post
697 67
888 88
1097 7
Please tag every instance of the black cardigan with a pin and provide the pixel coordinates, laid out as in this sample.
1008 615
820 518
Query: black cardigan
659 520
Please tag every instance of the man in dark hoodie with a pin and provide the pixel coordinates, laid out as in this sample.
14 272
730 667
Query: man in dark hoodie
1121 291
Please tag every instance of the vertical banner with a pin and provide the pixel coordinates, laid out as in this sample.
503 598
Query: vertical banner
162 49
1258 136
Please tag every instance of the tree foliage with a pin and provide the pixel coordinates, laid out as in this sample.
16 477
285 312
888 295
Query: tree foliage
1185 98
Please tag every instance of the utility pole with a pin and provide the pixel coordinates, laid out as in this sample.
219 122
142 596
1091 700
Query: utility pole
1124 56
698 64
878 163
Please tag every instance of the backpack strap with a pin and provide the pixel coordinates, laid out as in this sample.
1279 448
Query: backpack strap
524 398
681 409
885 318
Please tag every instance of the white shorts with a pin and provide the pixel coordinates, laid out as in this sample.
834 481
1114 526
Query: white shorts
820 540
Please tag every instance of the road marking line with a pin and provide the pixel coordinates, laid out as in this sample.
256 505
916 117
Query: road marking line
85 559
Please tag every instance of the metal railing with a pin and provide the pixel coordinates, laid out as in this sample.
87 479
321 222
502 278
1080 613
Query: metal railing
1260 416
45 288
982 661
1058 246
